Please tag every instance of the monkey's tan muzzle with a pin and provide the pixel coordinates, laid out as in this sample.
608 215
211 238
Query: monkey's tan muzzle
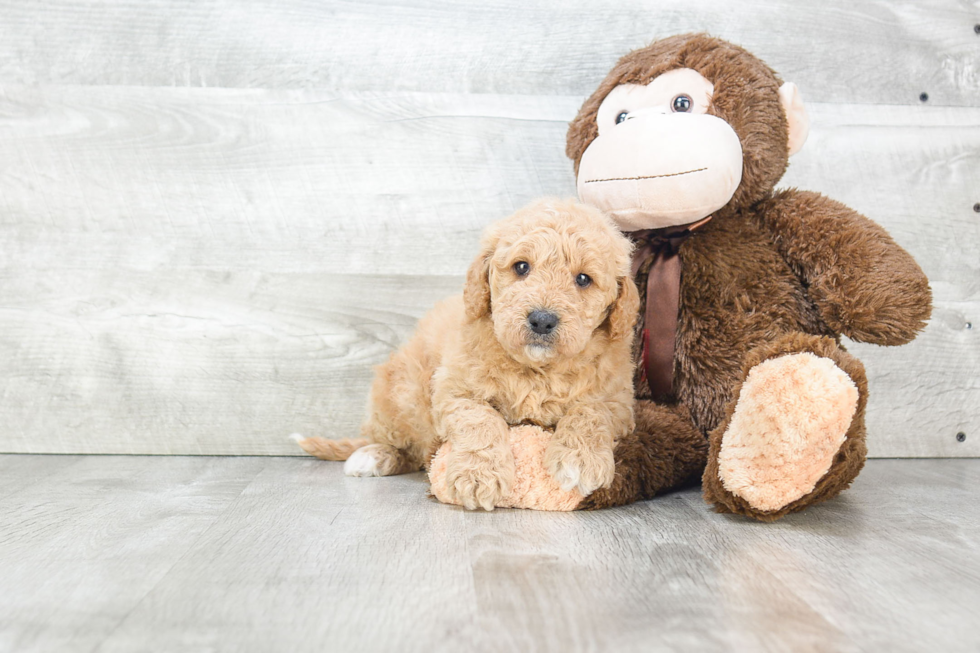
660 170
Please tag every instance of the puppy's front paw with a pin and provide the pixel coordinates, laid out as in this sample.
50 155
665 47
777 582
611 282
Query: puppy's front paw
479 479
585 469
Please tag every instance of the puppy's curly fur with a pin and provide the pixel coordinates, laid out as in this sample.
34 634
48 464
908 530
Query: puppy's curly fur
475 367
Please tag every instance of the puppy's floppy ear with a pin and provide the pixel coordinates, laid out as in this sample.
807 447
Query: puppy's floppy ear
623 314
476 292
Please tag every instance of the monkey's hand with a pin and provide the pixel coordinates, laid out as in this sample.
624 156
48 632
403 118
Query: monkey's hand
864 285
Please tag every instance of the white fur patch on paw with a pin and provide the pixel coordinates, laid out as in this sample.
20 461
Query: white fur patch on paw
362 463
582 470
568 475
792 417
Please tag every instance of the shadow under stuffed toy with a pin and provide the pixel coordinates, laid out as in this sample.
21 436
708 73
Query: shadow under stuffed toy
745 291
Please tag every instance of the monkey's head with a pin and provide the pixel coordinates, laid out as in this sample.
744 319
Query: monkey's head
682 128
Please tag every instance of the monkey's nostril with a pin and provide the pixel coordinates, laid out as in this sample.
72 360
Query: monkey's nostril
542 322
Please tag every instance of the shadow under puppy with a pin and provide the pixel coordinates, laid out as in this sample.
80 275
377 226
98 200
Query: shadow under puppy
541 336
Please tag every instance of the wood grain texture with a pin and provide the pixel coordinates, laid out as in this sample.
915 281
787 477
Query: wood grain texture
200 362
83 545
215 217
872 52
259 554
292 181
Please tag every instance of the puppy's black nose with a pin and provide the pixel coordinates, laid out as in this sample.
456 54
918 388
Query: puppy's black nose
542 322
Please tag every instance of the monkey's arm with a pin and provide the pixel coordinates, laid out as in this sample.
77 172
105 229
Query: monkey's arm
863 284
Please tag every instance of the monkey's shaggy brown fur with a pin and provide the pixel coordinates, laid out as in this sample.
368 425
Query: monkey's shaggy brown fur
772 273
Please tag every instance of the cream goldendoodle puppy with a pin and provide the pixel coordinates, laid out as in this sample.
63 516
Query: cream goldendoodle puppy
541 335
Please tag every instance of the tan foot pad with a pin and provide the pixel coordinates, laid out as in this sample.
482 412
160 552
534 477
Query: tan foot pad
791 418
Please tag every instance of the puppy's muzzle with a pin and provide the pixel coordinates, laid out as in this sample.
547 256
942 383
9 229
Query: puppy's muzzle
542 322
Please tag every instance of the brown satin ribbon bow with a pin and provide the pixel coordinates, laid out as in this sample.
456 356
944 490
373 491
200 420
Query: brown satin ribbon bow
662 300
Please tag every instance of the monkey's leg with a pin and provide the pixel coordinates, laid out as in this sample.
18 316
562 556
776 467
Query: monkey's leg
794 431
665 451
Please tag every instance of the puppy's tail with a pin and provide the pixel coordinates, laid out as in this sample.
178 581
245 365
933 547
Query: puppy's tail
327 449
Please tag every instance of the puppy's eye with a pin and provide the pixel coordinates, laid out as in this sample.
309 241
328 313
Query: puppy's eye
583 280
681 104
622 117
521 268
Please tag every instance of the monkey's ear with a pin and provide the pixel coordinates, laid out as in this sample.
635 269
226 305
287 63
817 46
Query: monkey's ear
476 292
622 317
796 118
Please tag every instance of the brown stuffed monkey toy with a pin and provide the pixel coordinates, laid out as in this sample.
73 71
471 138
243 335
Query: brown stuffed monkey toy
745 290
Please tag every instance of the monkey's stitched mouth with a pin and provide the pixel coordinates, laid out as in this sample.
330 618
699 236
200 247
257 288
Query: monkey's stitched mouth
672 174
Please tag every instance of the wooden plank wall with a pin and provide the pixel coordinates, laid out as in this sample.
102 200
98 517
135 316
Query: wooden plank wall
215 216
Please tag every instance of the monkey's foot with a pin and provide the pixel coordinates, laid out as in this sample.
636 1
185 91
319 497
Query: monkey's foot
791 419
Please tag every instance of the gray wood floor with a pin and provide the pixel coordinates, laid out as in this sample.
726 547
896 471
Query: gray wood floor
110 553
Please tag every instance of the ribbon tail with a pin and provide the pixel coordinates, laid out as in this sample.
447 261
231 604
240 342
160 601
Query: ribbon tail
662 302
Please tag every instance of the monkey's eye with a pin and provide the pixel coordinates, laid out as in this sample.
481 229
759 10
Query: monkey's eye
583 280
521 268
681 104
622 117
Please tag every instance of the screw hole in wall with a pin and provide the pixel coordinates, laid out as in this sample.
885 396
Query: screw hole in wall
961 437
923 97
968 325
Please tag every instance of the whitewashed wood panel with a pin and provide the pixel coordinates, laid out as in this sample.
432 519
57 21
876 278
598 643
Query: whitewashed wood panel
187 361
224 178
207 270
871 52
215 217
